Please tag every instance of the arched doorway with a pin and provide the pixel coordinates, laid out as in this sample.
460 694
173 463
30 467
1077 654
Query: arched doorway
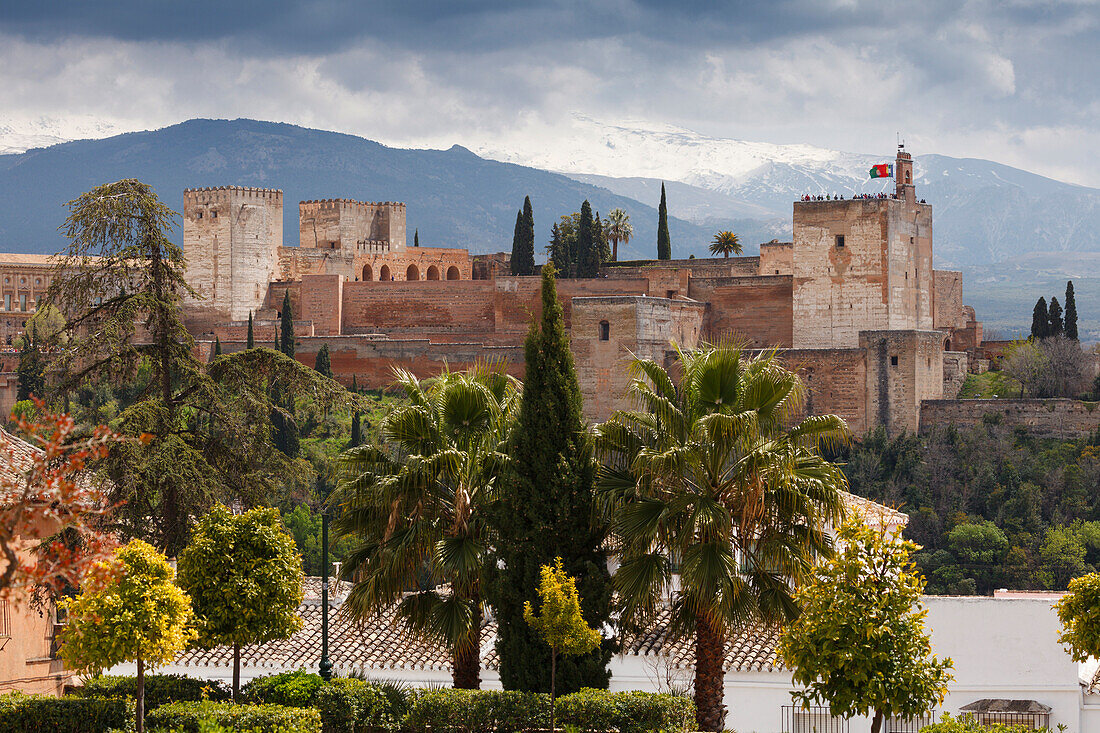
413 273
368 274
433 273
452 273
384 273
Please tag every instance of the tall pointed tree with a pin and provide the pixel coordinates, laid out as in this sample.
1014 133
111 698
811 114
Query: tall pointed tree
523 244
416 237
286 327
1071 312
588 253
545 511
1040 323
323 364
557 252
250 343
1054 317
217 347
664 242
517 244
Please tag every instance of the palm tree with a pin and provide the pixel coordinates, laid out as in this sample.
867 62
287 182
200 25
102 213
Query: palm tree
715 481
725 243
416 502
618 229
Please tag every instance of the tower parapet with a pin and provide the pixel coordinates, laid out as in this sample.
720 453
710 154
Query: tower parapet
352 225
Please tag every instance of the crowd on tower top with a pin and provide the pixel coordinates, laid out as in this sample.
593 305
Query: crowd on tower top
840 197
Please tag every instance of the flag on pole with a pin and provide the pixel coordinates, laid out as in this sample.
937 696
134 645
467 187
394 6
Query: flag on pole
882 170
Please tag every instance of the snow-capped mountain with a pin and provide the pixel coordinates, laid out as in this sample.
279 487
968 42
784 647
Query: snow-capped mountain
17 135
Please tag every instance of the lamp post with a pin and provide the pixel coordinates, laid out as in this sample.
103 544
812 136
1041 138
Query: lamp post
325 669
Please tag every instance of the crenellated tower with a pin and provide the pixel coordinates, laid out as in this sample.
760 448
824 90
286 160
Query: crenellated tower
352 226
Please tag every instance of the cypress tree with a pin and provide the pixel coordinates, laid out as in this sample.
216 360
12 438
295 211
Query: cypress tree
517 245
528 251
557 251
356 431
1054 315
286 330
545 512
323 364
354 385
664 242
1039 321
603 248
251 342
1071 312
588 253
416 237
217 347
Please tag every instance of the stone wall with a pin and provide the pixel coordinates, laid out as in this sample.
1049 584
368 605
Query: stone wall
947 311
836 383
1054 418
904 368
776 258
955 368
352 226
755 311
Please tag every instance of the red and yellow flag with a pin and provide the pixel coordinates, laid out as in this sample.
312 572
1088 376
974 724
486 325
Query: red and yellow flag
882 170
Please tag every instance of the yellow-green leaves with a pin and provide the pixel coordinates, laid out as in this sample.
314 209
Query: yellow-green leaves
859 644
559 621
130 609
1079 612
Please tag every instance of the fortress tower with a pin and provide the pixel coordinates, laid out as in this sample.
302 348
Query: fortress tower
862 265
231 238
352 226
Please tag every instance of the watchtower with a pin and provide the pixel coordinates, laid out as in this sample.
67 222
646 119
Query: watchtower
231 238
352 226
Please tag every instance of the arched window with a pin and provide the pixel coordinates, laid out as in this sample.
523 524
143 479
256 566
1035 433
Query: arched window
368 274
433 273
452 273
907 176
384 273
605 330
412 273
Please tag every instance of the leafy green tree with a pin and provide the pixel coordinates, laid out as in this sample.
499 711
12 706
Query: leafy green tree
618 229
31 371
545 511
323 363
130 610
664 242
1062 557
559 621
250 343
588 253
244 576
1040 321
1071 312
1054 315
416 504
286 327
859 643
1080 621
725 243
715 479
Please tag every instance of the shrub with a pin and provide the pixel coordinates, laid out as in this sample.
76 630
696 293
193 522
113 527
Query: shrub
354 706
194 717
294 689
159 688
478 711
967 724
627 712
20 713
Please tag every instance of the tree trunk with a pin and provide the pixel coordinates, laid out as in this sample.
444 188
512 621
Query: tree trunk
710 653
140 696
876 722
614 250
553 688
467 670
236 671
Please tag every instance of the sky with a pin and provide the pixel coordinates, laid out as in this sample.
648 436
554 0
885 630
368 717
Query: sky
1013 81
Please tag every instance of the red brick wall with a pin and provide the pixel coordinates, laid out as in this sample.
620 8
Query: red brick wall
757 309
836 383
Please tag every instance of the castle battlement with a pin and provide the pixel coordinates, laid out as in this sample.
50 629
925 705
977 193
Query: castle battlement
245 191
343 203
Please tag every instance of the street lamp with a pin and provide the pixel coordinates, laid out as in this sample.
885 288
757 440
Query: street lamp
325 669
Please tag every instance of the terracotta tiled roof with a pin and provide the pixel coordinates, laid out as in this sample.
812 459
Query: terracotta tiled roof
872 511
22 453
753 649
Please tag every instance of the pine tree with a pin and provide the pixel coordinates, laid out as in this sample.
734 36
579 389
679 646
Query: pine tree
664 242
1071 312
286 330
517 244
416 237
323 364
1040 324
588 253
251 342
1054 315
217 347
546 510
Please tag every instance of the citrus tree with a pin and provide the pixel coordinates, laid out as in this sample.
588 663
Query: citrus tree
130 610
1079 612
244 575
560 621
859 644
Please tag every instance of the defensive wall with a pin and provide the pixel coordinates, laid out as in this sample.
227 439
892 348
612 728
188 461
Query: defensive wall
1054 418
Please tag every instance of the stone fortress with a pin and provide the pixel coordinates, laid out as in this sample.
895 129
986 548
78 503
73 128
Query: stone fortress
853 302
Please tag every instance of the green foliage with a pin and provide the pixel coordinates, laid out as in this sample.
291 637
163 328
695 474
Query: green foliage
1071 312
617 228
1079 612
477 711
244 575
1054 316
578 246
416 237
304 525
545 511
250 342
859 644
188 717
130 611
21 713
293 689
159 688
967 724
627 712
286 326
1040 321
588 246
725 243
989 385
217 347
559 619
323 363
664 242
356 706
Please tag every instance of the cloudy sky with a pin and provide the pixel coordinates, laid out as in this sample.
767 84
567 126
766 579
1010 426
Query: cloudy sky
1009 80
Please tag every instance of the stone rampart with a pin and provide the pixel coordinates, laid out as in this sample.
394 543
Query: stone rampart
1053 418
753 310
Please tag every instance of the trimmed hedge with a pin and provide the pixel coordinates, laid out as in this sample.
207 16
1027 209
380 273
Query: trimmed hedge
191 717
20 713
356 706
293 689
159 689
967 724
477 711
626 712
